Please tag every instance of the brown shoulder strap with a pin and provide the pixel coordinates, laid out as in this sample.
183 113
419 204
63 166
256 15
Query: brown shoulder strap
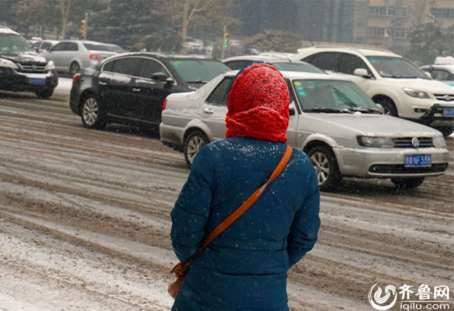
250 201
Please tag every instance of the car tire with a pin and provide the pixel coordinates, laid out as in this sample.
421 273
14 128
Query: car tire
74 69
91 113
45 93
407 183
326 167
388 105
446 131
193 142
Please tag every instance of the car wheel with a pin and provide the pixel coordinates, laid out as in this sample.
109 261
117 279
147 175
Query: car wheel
326 167
74 68
91 113
407 183
192 145
446 131
45 94
388 105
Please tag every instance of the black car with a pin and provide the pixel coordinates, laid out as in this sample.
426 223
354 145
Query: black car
21 69
131 88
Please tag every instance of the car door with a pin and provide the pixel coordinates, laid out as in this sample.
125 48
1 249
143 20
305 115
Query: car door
150 91
55 54
214 109
117 88
68 54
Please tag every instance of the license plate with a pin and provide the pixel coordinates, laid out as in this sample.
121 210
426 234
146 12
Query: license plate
418 160
37 82
448 112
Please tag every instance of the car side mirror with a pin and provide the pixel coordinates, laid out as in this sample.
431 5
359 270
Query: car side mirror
380 108
428 74
159 76
363 73
292 110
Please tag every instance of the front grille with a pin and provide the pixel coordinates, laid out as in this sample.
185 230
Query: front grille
444 97
32 68
401 169
413 142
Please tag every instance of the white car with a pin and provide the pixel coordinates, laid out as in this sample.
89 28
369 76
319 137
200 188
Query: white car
331 119
391 81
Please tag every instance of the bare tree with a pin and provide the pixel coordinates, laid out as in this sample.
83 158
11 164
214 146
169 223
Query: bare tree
186 13
65 10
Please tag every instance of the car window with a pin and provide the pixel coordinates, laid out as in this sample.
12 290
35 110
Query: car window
126 66
102 47
325 61
219 95
441 75
46 46
349 63
198 70
59 47
148 67
71 46
239 64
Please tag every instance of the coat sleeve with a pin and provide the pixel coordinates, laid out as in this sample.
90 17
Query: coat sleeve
192 209
306 225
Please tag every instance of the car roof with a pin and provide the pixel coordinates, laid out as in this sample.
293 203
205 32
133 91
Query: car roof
8 31
293 75
161 56
254 58
450 68
356 50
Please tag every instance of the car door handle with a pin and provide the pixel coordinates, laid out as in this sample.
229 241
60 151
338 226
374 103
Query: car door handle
208 110
136 90
102 83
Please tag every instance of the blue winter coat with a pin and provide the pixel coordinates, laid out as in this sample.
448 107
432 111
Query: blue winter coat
246 268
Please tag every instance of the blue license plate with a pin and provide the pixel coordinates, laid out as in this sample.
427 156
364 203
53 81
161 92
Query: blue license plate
448 112
418 160
37 82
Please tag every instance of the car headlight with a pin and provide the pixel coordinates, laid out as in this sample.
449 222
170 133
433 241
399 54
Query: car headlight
5 63
50 65
375 142
416 93
439 142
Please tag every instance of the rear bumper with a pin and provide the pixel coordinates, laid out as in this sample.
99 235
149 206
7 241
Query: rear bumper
11 80
385 163
171 136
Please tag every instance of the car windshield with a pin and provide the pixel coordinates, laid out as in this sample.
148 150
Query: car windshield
103 47
297 67
395 67
11 44
332 96
198 70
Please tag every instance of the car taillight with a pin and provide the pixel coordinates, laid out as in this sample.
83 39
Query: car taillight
95 57
164 104
76 78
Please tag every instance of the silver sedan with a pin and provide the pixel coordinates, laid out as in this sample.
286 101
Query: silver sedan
332 120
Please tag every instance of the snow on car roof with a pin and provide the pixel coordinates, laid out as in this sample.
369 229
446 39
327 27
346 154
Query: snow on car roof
294 75
7 31
363 51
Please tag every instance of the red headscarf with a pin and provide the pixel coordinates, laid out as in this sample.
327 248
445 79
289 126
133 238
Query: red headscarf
258 105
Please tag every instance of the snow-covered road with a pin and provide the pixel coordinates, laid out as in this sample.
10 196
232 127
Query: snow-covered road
84 222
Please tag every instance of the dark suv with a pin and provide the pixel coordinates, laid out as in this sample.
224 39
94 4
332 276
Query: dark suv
21 69
131 88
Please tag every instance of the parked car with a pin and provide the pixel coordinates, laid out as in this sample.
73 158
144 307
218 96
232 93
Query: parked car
281 63
72 56
23 70
131 88
391 81
331 119
443 73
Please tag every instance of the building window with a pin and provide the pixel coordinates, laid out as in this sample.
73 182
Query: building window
375 32
399 33
377 11
443 12
382 11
